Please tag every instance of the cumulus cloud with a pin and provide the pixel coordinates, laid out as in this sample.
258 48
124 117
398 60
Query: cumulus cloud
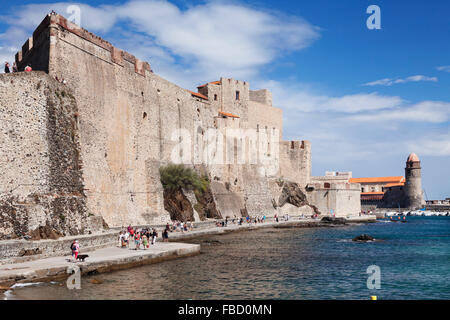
435 145
304 99
444 68
390 82
223 36
425 111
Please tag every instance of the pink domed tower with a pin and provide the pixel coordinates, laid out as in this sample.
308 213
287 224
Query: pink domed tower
413 185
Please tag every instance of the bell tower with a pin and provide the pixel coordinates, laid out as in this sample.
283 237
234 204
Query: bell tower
413 185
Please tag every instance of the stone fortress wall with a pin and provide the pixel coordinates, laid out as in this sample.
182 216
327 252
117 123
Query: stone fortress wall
126 118
41 185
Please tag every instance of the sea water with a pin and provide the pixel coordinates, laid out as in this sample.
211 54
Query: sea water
294 263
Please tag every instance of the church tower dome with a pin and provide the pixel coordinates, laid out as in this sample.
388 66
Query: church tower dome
413 158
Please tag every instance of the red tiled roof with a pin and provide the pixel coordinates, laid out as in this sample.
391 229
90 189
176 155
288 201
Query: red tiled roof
398 179
394 185
213 82
228 114
198 95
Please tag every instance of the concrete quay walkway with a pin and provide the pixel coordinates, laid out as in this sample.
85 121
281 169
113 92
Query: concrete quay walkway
294 221
99 261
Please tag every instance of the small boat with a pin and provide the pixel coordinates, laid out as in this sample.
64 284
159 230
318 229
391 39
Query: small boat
404 219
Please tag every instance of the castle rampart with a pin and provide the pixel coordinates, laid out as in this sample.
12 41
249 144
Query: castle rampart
128 122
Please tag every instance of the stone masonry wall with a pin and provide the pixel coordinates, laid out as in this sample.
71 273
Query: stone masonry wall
127 118
41 181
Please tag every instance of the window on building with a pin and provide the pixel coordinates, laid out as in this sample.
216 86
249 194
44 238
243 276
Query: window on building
326 185
215 97
237 95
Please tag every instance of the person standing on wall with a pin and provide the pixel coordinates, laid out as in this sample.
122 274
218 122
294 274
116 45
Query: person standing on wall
7 67
15 69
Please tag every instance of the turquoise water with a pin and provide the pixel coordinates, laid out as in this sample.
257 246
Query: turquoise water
317 263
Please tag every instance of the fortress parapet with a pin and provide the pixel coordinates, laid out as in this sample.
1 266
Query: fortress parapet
45 35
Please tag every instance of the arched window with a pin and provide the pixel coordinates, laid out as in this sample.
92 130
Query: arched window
326 185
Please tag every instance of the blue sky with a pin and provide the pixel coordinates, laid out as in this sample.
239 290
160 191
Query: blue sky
364 98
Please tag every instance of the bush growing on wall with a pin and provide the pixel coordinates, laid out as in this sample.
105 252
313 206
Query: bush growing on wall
177 176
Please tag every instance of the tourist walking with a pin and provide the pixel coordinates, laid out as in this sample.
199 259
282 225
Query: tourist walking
154 235
137 240
121 239
126 237
145 241
75 249
15 69
7 67
165 235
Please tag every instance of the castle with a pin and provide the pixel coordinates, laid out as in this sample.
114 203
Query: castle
78 155
394 192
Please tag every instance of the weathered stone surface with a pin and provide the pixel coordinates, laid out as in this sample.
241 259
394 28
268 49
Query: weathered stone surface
293 194
178 205
207 205
29 252
41 186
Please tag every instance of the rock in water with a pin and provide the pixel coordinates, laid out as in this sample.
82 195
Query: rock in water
334 220
363 237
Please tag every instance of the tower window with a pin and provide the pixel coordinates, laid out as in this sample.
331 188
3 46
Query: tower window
237 95
215 97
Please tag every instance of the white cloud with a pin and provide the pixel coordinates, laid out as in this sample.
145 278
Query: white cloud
425 111
390 82
436 145
302 98
226 37
444 68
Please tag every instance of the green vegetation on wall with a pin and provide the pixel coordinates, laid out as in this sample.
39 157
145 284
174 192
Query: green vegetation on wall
177 176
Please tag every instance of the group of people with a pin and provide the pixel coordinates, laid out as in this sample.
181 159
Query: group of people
14 68
143 237
178 226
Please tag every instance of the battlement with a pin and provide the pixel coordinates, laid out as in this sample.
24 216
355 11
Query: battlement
48 30
295 145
